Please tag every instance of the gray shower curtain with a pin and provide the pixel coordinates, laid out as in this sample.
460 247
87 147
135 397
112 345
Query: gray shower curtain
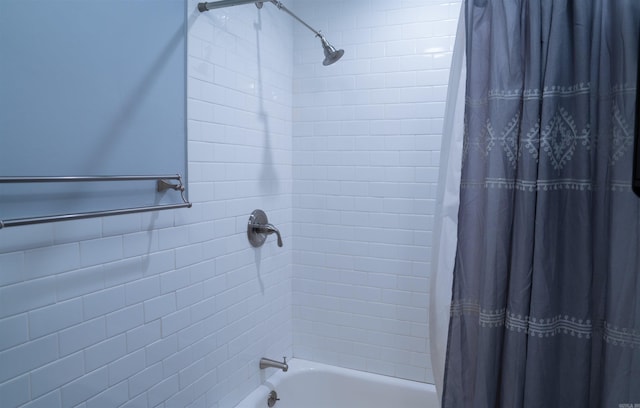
546 297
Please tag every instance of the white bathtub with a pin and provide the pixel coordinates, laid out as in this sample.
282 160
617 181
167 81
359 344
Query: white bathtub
314 385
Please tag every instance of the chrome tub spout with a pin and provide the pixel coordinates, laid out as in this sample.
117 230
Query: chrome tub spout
267 363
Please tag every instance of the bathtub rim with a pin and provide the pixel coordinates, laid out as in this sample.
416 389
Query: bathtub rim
258 397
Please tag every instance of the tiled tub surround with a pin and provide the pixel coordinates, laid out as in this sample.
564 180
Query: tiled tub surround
174 309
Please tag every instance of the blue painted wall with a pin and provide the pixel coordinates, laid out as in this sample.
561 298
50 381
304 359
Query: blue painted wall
90 88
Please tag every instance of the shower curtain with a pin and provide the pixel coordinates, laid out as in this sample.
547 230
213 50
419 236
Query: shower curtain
446 211
545 309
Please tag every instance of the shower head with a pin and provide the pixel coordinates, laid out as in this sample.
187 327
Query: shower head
331 55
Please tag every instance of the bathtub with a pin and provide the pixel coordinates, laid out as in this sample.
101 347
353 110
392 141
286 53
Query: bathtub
313 385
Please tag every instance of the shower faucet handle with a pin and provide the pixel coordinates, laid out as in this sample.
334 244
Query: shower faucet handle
268 229
259 228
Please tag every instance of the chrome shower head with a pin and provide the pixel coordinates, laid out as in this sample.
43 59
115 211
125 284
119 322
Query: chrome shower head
331 55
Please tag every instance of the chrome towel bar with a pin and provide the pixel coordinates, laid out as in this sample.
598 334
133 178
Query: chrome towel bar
162 184
60 179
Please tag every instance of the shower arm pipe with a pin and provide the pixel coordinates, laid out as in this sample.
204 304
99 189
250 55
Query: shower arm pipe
228 3
286 10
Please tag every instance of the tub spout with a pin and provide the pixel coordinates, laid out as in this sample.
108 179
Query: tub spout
267 362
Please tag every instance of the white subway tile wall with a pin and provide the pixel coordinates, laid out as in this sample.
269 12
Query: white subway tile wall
174 308
366 140
169 309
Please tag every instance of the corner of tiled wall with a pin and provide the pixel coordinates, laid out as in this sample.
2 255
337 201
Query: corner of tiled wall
367 134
